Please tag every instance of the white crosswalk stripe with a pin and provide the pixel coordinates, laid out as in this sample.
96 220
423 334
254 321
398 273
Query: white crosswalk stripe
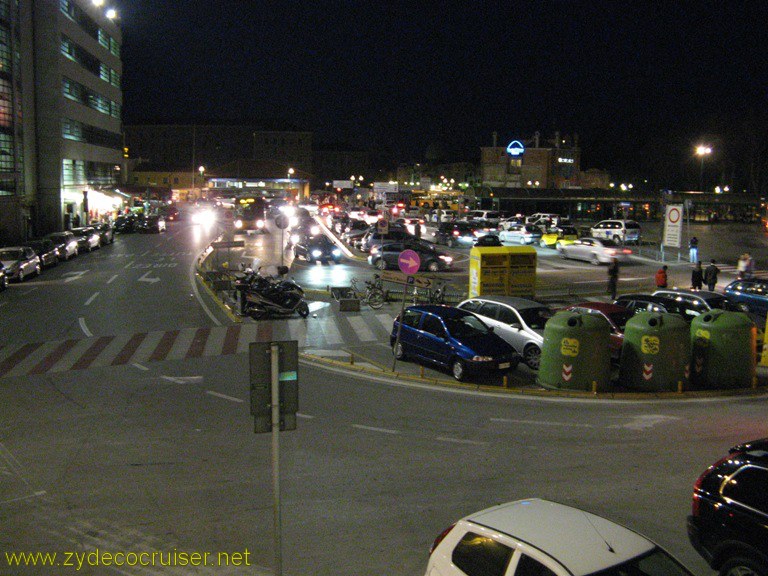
361 329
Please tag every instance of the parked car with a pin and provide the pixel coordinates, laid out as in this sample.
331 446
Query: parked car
521 234
540 216
505 223
701 299
620 231
431 259
661 304
749 295
455 233
536 537
318 248
106 232
126 223
562 235
3 278
616 316
518 321
87 238
488 240
171 213
490 217
153 223
375 238
46 250
728 524
66 244
20 262
595 251
453 339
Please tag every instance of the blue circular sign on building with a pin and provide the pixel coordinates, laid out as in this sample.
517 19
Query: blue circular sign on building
515 148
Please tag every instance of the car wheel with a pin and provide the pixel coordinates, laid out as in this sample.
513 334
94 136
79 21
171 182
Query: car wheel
458 370
433 266
522 240
38 270
743 566
617 239
381 264
561 252
543 244
595 260
532 357
4 283
303 309
399 351
21 275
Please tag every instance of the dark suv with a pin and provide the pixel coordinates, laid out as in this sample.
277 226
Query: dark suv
455 234
728 525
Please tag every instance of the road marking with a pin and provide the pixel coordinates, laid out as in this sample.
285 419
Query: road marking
92 298
374 429
645 421
38 494
128 265
542 423
139 366
112 279
332 334
305 416
224 396
74 275
144 254
460 441
183 379
361 329
29 291
146 278
83 327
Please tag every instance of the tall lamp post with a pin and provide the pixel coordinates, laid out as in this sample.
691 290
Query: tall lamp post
702 152
201 169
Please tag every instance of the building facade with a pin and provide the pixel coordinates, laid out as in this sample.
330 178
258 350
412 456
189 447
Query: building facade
186 147
61 132
532 163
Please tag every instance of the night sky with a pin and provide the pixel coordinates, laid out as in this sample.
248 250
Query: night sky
640 82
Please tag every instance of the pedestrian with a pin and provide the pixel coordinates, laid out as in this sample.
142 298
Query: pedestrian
417 229
661 277
76 221
697 276
693 249
750 267
710 276
741 266
613 277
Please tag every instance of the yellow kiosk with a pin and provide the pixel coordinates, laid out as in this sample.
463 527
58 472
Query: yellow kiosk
502 271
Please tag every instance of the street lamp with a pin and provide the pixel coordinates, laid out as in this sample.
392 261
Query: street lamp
702 152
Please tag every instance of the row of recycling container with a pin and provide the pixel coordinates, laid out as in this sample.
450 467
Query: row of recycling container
661 352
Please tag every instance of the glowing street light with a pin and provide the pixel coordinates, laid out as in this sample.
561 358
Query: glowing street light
702 152
111 14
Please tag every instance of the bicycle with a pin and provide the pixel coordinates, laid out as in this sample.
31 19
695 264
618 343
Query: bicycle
374 292
434 295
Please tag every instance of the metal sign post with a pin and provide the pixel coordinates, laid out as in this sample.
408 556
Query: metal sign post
274 403
408 282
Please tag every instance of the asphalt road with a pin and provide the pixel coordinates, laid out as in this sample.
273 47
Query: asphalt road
159 454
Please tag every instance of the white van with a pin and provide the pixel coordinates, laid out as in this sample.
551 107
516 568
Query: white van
623 231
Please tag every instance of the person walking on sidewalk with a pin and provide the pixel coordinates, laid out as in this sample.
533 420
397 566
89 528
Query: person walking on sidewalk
710 276
613 277
661 277
697 277
693 249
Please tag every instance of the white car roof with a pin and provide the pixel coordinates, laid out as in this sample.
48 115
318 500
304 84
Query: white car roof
580 541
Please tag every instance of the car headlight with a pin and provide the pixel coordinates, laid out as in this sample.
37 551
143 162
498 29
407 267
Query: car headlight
446 259
238 223
336 252
288 210
317 253
293 221
482 358
314 231
259 224
295 238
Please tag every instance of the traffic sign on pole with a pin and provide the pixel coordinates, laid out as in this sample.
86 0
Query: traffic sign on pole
263 378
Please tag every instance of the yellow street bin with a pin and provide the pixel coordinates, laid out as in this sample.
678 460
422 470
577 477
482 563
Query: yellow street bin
502 271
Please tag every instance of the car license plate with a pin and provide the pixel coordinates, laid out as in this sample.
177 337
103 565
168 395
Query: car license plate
504 365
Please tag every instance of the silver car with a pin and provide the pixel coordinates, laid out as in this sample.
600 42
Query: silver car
518 321
20 262
595 251
521 234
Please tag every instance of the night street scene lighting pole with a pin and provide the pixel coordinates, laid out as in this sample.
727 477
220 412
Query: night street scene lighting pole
702 152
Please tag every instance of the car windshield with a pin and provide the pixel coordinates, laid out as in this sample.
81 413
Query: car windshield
535 318
10 255
465 326
655 563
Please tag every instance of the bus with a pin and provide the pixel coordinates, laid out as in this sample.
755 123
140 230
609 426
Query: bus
250 213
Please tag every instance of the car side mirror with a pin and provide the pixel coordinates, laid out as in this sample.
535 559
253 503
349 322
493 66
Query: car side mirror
516 325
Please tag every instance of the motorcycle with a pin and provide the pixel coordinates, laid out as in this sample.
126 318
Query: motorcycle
262 296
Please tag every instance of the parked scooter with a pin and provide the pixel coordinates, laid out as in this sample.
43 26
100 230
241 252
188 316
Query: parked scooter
262 296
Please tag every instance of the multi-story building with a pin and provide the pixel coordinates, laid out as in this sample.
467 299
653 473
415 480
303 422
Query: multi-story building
60 114
175 146
532 164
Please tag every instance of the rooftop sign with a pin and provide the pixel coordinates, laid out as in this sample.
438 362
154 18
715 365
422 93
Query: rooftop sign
515 148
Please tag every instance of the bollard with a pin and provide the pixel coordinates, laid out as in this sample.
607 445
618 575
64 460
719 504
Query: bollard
594 386
352 359
505 381
679 386
421 371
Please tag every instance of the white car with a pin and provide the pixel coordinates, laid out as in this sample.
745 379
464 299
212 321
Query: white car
595 251
620 231
20 262
521 234
541 538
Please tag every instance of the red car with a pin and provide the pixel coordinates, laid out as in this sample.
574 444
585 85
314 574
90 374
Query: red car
617 317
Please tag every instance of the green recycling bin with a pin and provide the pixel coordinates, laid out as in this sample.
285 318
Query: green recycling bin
655 353
723 350
576 352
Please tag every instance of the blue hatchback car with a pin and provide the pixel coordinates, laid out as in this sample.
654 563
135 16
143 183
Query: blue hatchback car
451 338
749 295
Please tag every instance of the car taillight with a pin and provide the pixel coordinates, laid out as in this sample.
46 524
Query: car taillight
455 232
626 251
440 538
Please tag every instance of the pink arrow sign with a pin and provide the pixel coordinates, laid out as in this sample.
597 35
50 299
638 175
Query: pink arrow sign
409 262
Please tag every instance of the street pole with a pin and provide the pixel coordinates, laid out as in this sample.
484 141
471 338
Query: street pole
277 522
701 174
